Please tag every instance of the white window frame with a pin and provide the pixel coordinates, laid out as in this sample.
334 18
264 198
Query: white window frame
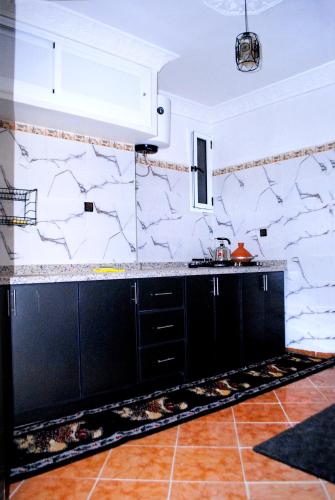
195 205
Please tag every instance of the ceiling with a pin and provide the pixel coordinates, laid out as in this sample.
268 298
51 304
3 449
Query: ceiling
296 35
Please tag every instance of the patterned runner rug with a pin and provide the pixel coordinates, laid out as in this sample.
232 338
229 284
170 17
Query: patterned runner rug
52 443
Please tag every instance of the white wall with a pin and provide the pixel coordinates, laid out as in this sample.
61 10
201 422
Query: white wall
68 173
293 199
298 122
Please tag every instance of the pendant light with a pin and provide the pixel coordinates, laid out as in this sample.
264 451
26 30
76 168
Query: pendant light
247 48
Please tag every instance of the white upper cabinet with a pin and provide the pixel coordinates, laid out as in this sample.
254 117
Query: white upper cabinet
27 64
105 87
104 82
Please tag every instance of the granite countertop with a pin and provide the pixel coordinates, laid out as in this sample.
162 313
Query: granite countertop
85 272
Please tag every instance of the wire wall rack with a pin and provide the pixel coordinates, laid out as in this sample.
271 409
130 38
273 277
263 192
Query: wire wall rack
26 215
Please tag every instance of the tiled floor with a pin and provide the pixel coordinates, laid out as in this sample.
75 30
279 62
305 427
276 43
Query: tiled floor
207 458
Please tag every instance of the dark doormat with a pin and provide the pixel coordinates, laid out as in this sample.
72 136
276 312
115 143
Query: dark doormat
309 446
48 444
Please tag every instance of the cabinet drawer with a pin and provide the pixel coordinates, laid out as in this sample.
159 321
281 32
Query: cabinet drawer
161 326
160 293
162 360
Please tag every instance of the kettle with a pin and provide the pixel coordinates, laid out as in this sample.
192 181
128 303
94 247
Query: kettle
221 252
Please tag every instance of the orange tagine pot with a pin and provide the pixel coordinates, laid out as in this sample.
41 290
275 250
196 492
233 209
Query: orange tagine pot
241 254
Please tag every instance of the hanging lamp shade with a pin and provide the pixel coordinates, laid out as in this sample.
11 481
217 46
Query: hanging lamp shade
247 51
247 48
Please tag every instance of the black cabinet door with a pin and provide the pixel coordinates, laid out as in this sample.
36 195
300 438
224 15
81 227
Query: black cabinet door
200 326
263 315
4 431
45 354
228 322
107 336
274 314
253 317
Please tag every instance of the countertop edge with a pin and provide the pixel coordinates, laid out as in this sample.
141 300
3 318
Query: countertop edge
134 274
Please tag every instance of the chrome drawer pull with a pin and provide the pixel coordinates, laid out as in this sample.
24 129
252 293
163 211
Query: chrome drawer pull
163 293
166 360
163 327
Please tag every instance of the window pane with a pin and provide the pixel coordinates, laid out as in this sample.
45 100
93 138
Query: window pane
202 172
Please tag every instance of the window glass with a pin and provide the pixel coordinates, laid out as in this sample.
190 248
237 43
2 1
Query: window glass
201 172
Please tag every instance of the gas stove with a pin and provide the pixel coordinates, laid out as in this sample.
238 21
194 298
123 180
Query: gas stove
225 263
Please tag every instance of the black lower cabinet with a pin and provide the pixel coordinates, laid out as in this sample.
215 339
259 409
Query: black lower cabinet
45 352
228 322
75 343
213 324
4 418
200 326
108 349
263 316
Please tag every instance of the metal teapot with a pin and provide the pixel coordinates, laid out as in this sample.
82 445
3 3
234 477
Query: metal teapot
222 252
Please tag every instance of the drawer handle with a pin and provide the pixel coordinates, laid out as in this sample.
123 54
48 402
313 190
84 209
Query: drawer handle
164 327
166 360
162 293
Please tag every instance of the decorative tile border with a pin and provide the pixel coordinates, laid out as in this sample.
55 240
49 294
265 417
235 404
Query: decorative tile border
60 134
277 158
144 160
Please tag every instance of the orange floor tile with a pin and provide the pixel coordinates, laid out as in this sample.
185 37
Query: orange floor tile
207 458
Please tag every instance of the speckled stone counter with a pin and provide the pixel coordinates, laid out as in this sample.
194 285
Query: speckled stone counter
85 272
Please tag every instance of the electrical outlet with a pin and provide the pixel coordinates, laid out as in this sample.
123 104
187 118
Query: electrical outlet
263 232
88 206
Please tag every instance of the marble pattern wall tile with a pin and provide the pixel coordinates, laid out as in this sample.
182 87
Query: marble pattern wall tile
66 174
167 230
295 201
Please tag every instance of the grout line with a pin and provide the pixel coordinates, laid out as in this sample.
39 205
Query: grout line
283 409
173 464
251 402
149 445
132 480
323 486
16 489
319 391
261 422
316 481
194 481
98 476
247 490
301 380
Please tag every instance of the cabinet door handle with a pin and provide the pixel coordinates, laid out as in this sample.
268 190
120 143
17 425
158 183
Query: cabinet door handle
214 286
8 303
164 327
162 293
12 302
265 282
134 286
166 360
217 287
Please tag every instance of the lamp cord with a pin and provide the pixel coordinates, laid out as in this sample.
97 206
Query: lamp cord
246 16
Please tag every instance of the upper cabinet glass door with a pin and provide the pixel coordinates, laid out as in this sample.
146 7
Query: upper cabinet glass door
101 85
27 63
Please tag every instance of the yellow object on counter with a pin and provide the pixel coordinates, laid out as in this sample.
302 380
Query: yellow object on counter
108 270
